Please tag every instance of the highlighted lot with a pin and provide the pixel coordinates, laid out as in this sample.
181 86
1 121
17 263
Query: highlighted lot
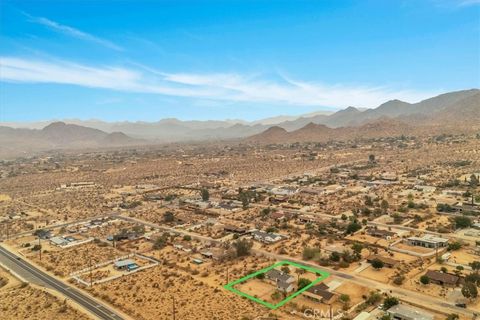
322 276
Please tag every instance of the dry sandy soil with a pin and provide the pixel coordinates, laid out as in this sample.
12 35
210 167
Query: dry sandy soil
26 302
149 295
22 302
66 261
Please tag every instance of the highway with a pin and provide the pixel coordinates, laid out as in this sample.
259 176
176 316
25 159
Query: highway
30 272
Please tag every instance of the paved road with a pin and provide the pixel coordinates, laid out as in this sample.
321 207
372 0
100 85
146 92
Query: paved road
50 227
443 235
30 272
378 224
413 297
405 295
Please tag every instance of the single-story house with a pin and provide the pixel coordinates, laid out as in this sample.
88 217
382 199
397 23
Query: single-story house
266 237
387 262
442 278
405 312
127 264
428 241
320 293
380 233
58 241
234 229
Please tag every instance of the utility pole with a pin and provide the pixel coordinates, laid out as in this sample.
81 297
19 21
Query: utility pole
39 248
331 313
227 276
91 275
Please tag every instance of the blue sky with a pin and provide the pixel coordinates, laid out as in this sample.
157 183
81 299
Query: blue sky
147 60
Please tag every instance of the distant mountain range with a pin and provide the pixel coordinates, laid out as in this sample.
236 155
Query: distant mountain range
456 111
59 135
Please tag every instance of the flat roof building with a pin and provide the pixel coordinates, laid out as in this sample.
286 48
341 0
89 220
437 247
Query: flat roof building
405 312
428 241
127 264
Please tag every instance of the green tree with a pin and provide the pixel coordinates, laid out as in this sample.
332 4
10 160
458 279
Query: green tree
377 264
389 302
168 216
302 283
345 299
473 277
424 279
285 269
205 194
469 290
242 247
462 222
374 298
454 246
335 256
473 181
243 196
160 242
357 248
260 276
353 227
475 265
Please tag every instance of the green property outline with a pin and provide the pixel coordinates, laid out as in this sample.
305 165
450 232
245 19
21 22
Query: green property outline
323 275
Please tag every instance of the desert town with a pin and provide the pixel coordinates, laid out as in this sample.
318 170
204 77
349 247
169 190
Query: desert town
384 228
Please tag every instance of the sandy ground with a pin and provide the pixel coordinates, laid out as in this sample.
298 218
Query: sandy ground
259 289
417 249
4 197
383 275
26 302
149 295
66 261
22 301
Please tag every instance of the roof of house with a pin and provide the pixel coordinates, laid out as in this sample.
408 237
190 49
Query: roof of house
58 241
429 238
229 227
264 235
321 286
410 312
321 291
442 277
283 284
278 275
123 263
381 232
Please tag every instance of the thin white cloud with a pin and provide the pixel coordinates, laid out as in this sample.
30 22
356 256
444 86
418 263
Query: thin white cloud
73 32
227 87
469 2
